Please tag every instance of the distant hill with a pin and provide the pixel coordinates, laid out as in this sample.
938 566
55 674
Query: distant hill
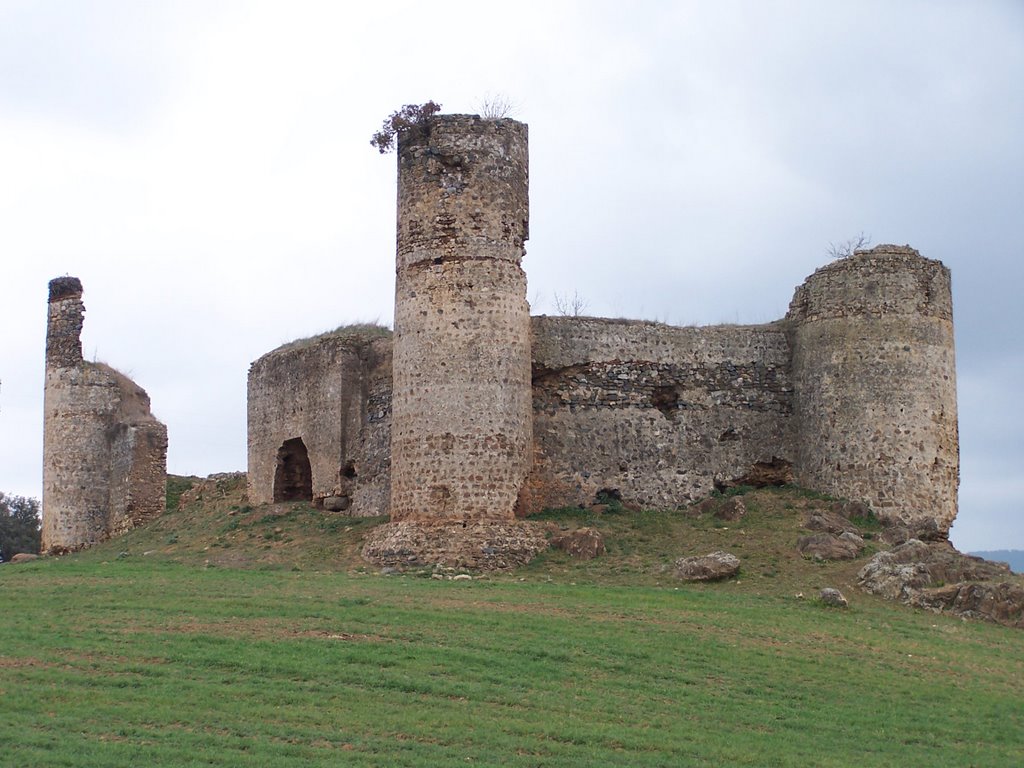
1015 557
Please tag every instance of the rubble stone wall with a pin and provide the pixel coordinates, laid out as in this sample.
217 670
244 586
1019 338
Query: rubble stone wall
654 413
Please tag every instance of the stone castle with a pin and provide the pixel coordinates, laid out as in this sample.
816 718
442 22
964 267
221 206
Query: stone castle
473 414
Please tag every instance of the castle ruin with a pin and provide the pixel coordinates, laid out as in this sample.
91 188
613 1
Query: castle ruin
473 414
104 454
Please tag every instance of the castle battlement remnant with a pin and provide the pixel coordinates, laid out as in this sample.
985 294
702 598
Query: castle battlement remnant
474 414
104 454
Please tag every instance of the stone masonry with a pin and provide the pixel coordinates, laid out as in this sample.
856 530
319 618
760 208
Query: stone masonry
104 454
474 413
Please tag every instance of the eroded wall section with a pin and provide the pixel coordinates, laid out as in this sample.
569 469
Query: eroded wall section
654 413
319 423
104 454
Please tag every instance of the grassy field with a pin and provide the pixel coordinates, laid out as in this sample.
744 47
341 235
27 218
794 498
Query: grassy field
151 651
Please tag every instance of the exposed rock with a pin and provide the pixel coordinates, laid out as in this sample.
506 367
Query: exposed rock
337 503
833 597
1001 602
481 545
582 543
731 510
826 546
829 522
926 530
710 567
934 575
24 557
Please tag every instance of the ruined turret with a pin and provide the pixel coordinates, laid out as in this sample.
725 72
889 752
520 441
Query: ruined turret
874 381
104 454
461 403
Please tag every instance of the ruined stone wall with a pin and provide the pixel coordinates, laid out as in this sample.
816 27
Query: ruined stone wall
655 413
104 454
875 384
332 392
462 402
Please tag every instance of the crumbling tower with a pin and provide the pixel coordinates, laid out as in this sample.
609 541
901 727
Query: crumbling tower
874 381
462 400
104 454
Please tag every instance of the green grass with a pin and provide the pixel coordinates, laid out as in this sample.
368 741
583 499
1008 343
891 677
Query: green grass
257 637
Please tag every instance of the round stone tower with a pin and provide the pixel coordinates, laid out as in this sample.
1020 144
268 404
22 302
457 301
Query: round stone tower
875 385
461 410
75 498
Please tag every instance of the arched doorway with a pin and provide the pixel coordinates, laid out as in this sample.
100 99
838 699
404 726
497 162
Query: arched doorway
293 478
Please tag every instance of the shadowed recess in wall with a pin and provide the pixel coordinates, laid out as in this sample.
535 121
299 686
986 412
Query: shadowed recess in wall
293 477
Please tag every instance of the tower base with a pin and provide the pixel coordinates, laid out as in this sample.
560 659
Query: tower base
484 546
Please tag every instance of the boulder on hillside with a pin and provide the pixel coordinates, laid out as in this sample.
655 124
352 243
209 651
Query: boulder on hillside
582 543
829 522
834 598
710 567
828 546
731 510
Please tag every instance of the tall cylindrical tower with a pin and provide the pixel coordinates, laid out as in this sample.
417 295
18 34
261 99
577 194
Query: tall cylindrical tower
75 496
461 429
874 384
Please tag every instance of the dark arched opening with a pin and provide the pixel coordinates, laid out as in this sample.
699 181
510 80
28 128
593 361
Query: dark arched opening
293 478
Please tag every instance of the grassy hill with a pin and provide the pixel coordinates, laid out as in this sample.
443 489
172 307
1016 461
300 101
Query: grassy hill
228 635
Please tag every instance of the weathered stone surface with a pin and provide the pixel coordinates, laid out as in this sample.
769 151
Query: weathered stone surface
934 575
922 530
1001 602
480 545
833 597
581 543
827 546
104 454
731 510
24 557
829 522
461 404
711 567
337 503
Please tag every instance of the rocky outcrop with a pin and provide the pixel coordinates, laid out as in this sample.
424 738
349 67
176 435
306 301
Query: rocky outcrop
934 575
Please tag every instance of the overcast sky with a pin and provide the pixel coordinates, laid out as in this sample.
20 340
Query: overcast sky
205 169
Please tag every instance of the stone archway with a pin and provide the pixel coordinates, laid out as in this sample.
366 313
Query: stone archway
293 478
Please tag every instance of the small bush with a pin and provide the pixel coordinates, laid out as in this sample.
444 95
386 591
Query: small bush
408 117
